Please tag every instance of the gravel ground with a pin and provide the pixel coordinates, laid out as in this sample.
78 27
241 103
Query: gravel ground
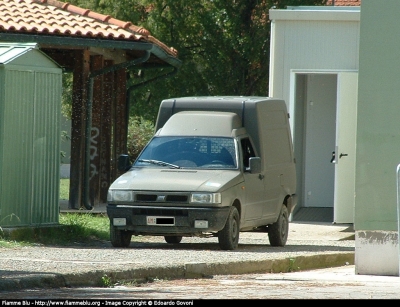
150 253
80 259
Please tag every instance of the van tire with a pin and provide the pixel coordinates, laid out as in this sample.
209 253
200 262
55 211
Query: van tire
228 237
278 231
119 238
173 239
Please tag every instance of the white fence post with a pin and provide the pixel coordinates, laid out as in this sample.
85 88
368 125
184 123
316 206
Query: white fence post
398 211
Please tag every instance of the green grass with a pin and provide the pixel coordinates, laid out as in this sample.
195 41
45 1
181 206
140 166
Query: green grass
64 188
73 229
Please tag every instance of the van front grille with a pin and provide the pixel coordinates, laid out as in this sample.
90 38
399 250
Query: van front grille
162 198
146 197
160 211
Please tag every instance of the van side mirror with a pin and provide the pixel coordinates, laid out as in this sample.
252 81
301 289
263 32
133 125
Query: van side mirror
254 165
123 163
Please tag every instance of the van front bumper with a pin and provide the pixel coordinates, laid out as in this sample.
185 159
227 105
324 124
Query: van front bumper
150 220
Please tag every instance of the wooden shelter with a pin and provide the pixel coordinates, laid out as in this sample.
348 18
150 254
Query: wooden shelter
99 50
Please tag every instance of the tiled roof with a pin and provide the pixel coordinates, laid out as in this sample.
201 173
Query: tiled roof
56 18
344 2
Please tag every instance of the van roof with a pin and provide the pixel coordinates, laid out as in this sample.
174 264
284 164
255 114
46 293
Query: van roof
193 123
255 112
236 104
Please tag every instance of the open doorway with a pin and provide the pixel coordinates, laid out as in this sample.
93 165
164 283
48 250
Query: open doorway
324 109
314 141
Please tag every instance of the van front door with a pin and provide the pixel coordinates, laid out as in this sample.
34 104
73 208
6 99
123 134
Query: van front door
253 184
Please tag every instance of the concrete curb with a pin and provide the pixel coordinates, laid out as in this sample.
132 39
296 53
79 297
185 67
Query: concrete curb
32 281
188 271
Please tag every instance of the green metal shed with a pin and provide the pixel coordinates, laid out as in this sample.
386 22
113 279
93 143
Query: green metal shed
30 113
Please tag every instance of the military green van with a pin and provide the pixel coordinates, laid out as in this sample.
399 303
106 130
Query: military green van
216 166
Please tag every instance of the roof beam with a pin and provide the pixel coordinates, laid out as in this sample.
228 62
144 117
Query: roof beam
62 41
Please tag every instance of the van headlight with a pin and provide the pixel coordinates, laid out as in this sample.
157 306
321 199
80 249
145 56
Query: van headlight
205 198
120 195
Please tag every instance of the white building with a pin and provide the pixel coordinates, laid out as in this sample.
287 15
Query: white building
337 69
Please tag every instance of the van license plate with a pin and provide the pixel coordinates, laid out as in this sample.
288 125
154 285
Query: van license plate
161 220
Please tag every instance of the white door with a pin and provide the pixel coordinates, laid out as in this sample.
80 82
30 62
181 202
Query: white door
345 147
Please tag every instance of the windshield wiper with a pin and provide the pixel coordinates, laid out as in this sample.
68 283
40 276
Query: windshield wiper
162 163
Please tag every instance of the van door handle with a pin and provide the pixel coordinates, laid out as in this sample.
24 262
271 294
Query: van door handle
343 155
333 157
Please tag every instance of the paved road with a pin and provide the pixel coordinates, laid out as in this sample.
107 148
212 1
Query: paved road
309 247
330 283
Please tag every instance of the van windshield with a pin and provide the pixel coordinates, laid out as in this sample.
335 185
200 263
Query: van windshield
189 152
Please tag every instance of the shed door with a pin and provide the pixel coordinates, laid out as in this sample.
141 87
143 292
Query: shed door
345 148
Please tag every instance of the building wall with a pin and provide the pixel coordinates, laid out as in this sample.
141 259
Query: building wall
314 43
311 39
363 40
378 139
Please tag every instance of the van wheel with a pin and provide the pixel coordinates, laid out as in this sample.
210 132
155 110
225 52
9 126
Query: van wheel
278 231
119 238
228 237
173 239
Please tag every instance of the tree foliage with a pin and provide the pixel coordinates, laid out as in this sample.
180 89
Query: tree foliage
223 46
66 102
140 132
